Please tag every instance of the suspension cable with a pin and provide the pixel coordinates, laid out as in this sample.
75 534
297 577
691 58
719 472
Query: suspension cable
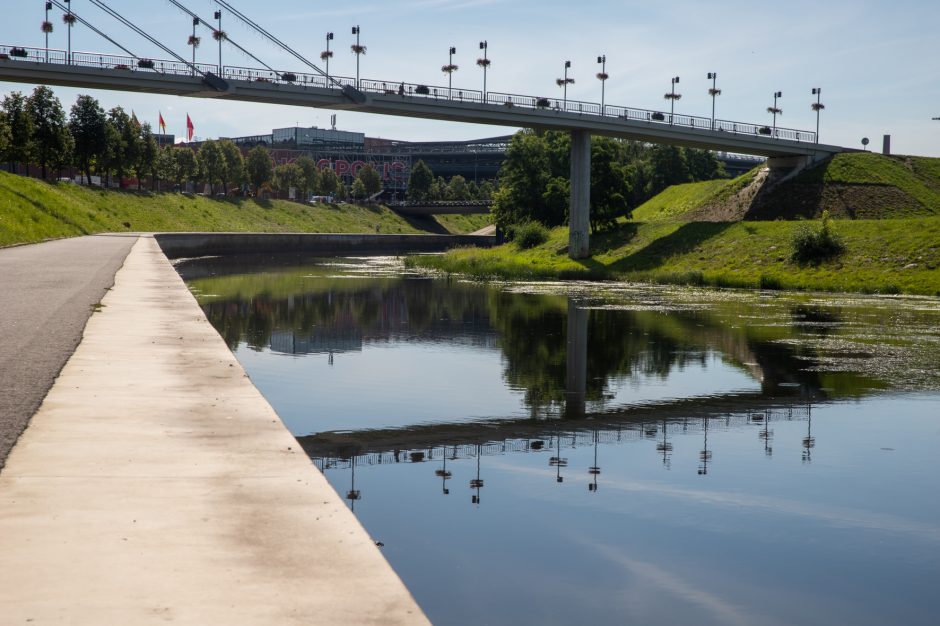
143 34
87 24
272 38
227 38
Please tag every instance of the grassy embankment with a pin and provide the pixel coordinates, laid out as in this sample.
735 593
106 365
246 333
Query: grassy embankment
32 210
900 252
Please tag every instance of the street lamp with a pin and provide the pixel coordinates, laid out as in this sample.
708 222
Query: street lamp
326 55
69 19
219 35
713 91
449 69
194 42
47 28
602 76
817 106
672 96
484 63
358 50
775 110
564 82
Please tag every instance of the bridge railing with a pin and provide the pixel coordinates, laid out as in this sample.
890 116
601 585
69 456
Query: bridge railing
432 92
304 79
410 90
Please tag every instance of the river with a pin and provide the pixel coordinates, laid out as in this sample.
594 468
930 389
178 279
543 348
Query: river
605 453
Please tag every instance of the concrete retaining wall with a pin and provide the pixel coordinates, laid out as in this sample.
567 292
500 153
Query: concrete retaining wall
185 245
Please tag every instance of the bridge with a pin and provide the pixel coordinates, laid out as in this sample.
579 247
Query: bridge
319 89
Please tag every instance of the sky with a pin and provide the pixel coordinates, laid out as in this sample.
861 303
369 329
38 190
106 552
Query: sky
877 62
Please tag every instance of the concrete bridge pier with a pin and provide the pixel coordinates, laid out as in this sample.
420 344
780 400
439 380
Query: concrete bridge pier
579 221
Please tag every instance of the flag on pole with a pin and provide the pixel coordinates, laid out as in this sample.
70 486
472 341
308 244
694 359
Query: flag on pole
162 123
189 128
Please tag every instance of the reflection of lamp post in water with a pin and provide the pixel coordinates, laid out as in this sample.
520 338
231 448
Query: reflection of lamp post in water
444 474
809 442
594 470
705 455
477 483
558 462
766 435
353 494
665 447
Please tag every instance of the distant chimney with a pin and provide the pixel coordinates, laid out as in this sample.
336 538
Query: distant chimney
886 146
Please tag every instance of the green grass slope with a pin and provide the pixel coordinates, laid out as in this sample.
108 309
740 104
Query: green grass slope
32 210
883 256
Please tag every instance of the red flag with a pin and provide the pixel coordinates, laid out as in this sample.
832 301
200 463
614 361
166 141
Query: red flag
162 123
189 128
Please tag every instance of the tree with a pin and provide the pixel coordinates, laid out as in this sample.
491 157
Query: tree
212 164
5 135
234 164
457 189
165 167
147 156
20 147
438 189
111 158
329 182
419 182
87 124
358 190
371 181
703 165
669 168
288 176
524 179
185 165
310 181
259 167
125 148
610 186
50 131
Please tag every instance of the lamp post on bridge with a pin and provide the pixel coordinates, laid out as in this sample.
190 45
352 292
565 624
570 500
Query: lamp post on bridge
358 50
194 42
817 106
449 69
484 63
326 55
602 76
564 82
219 35
775 110
672 96
47 28
713 91
69 19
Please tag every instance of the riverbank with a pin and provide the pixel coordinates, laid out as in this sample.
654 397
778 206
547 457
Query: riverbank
882 256
156 484
32 210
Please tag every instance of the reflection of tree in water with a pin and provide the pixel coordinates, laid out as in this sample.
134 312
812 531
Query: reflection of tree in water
533 337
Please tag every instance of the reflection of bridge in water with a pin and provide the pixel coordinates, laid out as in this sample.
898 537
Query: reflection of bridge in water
496 437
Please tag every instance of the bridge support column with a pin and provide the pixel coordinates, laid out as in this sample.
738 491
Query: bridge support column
580 204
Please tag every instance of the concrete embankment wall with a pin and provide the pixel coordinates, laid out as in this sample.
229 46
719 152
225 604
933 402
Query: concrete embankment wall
185 245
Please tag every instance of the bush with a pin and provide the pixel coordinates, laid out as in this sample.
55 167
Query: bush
815 245
527 234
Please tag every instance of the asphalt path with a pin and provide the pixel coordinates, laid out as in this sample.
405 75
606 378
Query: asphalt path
47 293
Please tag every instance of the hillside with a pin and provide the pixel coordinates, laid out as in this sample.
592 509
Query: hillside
33 210
731 233
850 186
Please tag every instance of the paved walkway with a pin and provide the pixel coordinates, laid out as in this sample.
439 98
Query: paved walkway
155 484
48 291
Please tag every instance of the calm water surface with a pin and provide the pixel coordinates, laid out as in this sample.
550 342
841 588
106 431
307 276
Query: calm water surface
609 454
